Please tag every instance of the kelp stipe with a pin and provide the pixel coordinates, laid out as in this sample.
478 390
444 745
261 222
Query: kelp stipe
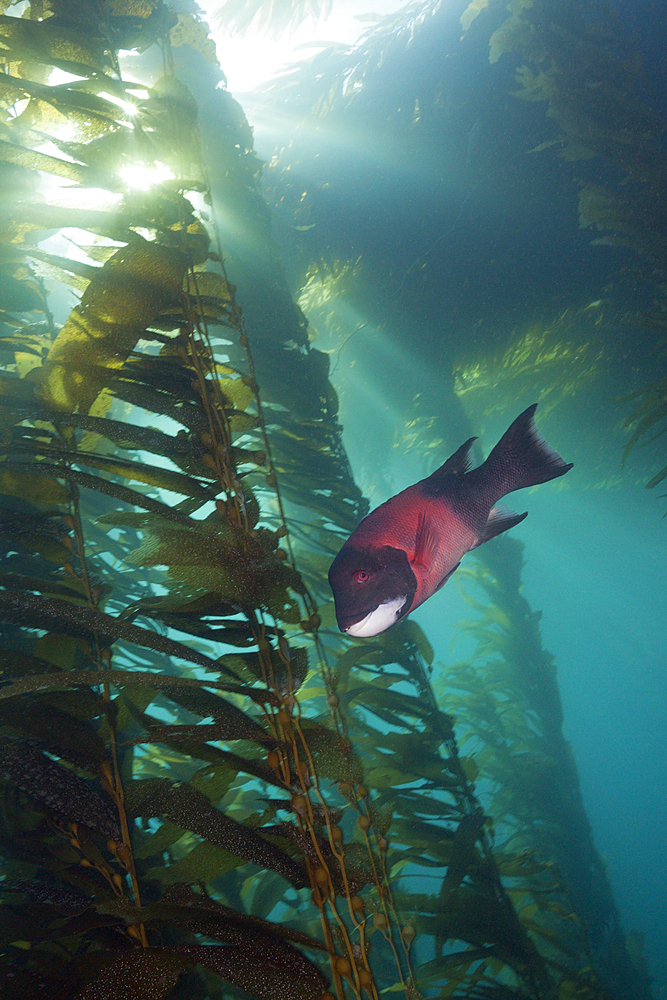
140 346
95 819
507 699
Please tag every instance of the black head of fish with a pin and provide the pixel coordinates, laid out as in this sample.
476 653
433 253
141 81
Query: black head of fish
372 588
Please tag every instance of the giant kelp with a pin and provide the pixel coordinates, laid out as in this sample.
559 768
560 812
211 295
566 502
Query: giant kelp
556 900
595 88
274 16
506 699
96 654
596 91
203 793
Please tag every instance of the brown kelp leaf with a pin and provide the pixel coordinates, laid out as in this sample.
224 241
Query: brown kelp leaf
71 588
121 301
288 676
205 862
128 436
24 765
388 705
24 157
464 858
14 663
264 977
183 895
249 766
182 906
208 704
149 973
192 810
24 481
24 473
238 566
73 619
53 44
16 982
333 754
162 682
151 475
24 521
141 472
58 732
479 917
44 888
243 728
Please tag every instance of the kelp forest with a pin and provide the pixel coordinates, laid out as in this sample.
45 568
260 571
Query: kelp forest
206 790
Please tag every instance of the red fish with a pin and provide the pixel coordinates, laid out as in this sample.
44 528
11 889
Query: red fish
409 547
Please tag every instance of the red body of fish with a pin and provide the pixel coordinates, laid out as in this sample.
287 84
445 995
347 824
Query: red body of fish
427 530
408 547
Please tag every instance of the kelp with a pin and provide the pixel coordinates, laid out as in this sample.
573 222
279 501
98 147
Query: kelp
273 17
80 800
506 699
383 709
596 90
204 791
646 422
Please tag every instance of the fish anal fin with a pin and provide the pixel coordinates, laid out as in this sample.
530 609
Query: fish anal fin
499 520
446 577
426 544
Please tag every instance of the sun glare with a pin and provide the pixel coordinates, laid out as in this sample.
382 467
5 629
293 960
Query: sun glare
126 106
58 76
251 58
142 176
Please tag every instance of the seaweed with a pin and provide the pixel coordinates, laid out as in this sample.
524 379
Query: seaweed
271 16
204 789
596 90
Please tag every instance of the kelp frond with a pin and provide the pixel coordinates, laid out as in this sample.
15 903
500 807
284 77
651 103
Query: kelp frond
203 789
647 422
272 17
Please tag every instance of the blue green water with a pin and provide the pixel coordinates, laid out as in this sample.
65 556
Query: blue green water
232 321
465 240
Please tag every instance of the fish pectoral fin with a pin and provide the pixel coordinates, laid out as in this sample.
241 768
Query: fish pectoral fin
446 577
426 544
499 520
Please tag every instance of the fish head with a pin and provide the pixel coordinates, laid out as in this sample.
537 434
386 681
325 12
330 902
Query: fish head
372 588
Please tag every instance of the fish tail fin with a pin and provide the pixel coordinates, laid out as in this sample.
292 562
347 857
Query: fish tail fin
522 458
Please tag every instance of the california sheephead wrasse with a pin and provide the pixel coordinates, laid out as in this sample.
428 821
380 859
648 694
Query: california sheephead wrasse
409 547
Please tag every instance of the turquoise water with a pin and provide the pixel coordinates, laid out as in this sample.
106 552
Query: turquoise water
234 318
465 240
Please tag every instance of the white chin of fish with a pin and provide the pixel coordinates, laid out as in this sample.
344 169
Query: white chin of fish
377 621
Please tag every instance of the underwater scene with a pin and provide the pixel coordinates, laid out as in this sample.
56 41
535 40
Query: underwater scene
293 704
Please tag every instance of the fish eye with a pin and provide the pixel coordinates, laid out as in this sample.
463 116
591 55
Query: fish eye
360 575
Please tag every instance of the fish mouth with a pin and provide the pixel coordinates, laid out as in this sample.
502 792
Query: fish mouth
355 625
345 624
378 620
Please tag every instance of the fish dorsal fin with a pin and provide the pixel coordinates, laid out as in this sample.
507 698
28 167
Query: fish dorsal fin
457 464
426 544
499 520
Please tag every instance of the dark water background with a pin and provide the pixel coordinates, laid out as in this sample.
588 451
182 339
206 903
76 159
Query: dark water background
466 238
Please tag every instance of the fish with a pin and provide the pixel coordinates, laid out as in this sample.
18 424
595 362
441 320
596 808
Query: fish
405 550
